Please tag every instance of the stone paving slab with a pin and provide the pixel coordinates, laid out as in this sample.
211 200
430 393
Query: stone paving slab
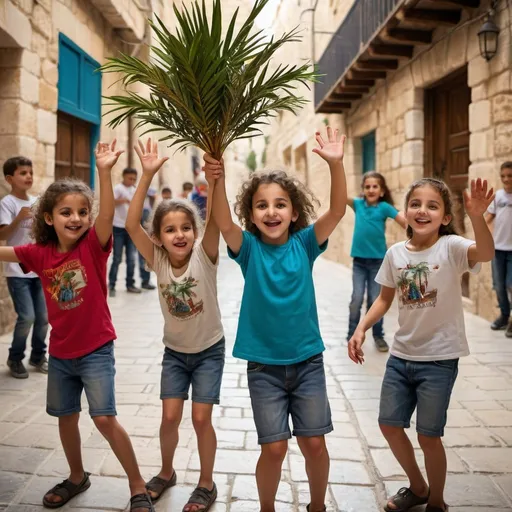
363 470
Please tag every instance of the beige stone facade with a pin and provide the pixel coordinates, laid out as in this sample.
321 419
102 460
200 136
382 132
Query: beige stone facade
29 75
395 109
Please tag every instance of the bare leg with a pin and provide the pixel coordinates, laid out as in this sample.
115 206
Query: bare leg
317 467
436 466
206 445
122 447
404 453
71 442
172 412
268 473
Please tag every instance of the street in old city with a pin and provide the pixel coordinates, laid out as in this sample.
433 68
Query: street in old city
363 470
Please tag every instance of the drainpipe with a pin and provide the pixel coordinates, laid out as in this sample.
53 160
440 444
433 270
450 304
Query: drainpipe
312 10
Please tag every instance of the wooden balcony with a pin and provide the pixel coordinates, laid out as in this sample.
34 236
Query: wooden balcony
376 38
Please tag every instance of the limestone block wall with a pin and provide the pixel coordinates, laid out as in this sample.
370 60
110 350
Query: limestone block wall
396 111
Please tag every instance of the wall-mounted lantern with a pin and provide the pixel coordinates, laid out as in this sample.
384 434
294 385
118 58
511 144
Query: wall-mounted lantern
488 35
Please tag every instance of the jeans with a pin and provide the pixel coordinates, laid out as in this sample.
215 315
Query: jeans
426 386
122 239
364 271
297 390
94 373
502 279
144 274
28 298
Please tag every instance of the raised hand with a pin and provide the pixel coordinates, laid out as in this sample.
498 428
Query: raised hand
355 351
331 151
478 199
213 169
106 155
24 213
149 158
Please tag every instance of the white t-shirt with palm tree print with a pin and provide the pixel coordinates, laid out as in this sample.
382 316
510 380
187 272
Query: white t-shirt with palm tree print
189 302
429 294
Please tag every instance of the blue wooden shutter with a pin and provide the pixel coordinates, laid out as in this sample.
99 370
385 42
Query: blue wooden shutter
368 143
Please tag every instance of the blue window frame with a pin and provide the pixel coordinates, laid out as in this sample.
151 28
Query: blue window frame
368 147
80 89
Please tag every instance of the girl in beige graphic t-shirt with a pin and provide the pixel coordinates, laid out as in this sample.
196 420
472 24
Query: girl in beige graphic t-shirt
194 353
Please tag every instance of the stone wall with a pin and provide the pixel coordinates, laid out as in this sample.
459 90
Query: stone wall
395 110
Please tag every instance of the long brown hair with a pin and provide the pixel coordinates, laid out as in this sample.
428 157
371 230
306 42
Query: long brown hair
302 199
387 197
442 189
42 232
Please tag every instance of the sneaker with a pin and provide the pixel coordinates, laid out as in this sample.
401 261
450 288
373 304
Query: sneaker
508 332
112 292
133 289
148 286
499 324
18 370
41 366
381 344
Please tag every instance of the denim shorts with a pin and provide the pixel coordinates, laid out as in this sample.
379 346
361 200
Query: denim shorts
202 370
298 390
94 373
426 386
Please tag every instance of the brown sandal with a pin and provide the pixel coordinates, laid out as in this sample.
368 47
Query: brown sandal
159 486
203 496
66 490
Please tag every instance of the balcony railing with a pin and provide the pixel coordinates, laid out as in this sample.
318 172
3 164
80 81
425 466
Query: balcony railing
362 22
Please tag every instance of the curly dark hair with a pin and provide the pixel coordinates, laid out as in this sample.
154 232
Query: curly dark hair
42 232
442 188
176 205
302 199
387 197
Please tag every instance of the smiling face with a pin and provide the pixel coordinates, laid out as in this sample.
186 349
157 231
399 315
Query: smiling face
272 213
425 211
71 218
177 235
372 190
506 179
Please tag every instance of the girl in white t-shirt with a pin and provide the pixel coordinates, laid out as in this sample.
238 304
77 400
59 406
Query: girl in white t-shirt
425 273
186 273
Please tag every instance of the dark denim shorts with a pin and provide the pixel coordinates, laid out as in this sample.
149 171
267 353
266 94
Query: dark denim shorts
297 390
202 370
94 373
426 386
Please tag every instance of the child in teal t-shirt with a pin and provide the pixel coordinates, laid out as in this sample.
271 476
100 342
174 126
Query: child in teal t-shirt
369 248
278 332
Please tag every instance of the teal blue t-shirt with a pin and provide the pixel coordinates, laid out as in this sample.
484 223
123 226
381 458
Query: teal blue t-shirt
278 321
369 239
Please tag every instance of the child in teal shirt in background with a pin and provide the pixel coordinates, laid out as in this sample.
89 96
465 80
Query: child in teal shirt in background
369 248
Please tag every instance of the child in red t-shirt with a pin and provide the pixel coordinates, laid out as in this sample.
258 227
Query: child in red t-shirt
70 256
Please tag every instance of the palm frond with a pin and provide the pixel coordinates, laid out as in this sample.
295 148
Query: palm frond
204 90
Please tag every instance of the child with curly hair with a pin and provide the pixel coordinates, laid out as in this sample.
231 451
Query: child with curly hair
278 331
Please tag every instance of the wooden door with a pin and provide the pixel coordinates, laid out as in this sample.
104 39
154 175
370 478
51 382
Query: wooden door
73 148
447 141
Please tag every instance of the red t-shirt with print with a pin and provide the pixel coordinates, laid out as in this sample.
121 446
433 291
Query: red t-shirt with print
75 289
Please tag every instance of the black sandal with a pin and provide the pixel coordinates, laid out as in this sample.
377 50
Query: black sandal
431 508
66 490
141 501
404 500
323 510
159 485
203 496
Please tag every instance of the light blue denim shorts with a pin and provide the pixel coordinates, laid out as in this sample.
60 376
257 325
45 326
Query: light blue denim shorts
94 373
297 390
425 386
203 371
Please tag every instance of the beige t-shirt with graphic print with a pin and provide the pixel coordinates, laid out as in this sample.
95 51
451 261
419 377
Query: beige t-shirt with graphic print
189 302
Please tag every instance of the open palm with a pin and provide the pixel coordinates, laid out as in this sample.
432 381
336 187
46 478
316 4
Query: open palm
149 158
478 199
333 150
106 155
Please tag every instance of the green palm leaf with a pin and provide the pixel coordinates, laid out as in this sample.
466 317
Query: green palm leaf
205 91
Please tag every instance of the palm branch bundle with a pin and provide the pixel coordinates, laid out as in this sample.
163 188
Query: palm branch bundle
206 90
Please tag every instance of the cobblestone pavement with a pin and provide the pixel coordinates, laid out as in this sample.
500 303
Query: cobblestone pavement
479 436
